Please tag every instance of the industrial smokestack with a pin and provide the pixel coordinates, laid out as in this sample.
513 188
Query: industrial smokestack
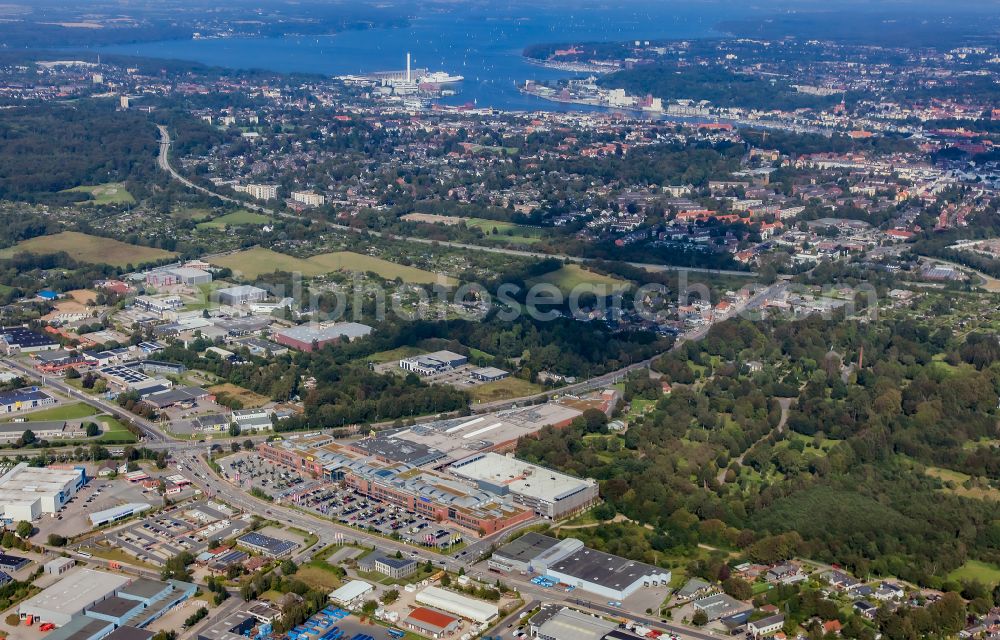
408 66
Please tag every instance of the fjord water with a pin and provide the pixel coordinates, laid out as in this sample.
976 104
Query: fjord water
481 42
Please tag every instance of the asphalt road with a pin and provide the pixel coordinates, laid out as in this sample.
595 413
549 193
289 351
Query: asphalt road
150 431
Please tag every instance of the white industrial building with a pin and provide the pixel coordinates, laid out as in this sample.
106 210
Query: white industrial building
80 589
28 492
59 566
121 512
608 576
549 493
239 295
766 626
455 603
563 623
184 275
431 363
351 592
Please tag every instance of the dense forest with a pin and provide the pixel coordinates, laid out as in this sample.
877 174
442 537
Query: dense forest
47 148
849 472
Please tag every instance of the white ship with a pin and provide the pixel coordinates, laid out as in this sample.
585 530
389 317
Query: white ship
440 77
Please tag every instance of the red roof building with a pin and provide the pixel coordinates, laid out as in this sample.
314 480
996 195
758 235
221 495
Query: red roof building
431 622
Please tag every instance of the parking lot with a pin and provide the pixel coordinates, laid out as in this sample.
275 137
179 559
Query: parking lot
96 495
341 504
191 527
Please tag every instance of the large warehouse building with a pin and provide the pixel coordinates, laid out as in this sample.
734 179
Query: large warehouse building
70 596
307 337
606 575
563 623
28 492
240 295
532 553
431 363
463 606
24 400
548 493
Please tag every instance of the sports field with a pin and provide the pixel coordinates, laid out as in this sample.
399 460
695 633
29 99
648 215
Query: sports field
235 219
109 193
258 261
570 276
87 248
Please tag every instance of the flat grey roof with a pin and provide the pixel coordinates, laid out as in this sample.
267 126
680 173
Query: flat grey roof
570 624
527 547
129 633
242 289
144 588
490 371
398 450
519 476
38 425
604 569
115 606
272 545
80 628
309 332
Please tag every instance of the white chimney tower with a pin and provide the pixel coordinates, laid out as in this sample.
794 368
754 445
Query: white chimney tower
408 66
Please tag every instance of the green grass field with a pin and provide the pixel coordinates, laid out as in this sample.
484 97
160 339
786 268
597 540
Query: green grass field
573 275
510 387
505 231
235 219
350 261
958 479
87 248
479 148
195 214
394 354
259 261
984 572
109 193
475 354
73 411
113 430
318 577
